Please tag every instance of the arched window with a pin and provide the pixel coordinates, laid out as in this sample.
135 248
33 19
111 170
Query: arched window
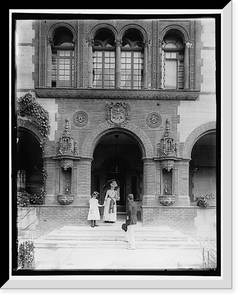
172 61
104 60
132 60
63 58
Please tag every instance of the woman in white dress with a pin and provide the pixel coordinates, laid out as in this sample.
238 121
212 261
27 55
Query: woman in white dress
110 203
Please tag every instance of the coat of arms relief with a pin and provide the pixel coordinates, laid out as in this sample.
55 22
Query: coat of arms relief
117 113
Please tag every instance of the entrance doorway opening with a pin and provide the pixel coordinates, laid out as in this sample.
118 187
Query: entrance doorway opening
203 167
29 163
118 156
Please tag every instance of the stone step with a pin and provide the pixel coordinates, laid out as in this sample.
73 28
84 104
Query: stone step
116 237
112 237
115 244
116 227
106 235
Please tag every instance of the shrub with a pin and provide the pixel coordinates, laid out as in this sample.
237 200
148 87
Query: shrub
26 255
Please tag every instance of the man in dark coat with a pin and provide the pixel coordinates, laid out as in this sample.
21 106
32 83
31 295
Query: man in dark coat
131 221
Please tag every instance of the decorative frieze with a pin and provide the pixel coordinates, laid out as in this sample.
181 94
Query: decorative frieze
73 93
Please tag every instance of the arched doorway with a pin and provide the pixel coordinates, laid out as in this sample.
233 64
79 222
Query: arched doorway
118 156
29 163
203 166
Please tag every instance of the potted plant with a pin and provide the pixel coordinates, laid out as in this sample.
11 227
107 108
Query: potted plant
202 200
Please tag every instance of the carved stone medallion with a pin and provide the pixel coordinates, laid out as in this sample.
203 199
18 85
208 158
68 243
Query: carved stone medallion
154 120
117 113
80 118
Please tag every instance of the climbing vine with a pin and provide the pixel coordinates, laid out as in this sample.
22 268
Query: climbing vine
26 106
39 117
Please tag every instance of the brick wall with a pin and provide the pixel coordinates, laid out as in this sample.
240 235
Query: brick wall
55 217
96 111
193 221
177 218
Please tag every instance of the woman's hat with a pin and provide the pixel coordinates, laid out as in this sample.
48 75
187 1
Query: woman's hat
113 183
110 183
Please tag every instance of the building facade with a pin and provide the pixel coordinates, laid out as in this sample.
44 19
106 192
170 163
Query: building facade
133 100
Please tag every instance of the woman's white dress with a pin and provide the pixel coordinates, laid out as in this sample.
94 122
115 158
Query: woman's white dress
94 213
110 216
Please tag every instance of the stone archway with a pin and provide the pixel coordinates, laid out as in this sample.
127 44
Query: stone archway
92 139
118 156
28 125
29 162
202 167
147 154
194 136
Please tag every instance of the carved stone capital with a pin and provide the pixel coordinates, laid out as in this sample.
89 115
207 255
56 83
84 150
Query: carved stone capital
49 40
145 43
188 45
118 42
90 42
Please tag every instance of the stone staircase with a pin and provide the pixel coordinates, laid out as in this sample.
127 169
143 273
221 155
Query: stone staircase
111 236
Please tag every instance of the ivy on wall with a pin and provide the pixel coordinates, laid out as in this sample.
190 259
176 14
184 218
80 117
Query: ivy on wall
26 106
39 117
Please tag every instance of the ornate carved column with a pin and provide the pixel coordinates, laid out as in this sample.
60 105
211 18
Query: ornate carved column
118 63
162 66
49 62
187 65
90 63
145 65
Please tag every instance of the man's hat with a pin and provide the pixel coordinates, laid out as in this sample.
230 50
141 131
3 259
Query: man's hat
124 227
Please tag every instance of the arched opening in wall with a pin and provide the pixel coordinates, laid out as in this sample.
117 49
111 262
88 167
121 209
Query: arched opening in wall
104 59
118 156
29 163
172 61
203 167
132 57
63 71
